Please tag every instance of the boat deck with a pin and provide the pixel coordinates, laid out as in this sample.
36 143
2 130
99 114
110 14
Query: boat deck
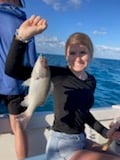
38 132
39 157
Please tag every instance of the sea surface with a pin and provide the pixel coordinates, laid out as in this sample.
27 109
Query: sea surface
107 74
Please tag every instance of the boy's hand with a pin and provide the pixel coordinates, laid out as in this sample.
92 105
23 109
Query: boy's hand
31 27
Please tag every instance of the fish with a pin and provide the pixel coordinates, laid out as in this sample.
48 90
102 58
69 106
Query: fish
39 88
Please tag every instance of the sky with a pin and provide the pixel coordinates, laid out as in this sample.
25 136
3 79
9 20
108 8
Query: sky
100 19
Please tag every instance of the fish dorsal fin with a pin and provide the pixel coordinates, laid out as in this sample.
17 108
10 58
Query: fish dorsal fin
26 82
40 55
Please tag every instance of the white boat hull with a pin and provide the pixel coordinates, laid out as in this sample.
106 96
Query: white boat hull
38 131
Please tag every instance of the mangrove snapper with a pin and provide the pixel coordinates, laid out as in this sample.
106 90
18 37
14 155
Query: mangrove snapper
39 87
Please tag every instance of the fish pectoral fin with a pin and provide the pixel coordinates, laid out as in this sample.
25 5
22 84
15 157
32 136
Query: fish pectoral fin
24 103
27 82
37 78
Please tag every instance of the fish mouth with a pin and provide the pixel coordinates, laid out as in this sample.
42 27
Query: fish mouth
43 61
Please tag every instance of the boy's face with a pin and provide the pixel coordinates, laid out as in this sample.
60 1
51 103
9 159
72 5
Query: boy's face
16 3
78 57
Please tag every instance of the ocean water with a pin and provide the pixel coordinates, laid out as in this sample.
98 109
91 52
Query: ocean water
107 74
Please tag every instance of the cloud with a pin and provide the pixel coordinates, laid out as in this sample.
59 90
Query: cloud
49 44
79 23
103 51
96 32
63 5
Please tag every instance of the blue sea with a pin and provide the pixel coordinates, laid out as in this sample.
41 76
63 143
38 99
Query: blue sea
107 74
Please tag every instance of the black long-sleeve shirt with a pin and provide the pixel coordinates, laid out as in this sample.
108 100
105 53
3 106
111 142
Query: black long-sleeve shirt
73 97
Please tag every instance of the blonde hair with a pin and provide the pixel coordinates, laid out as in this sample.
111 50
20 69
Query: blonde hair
80 38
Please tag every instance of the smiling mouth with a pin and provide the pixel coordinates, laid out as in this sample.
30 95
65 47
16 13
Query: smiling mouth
79 64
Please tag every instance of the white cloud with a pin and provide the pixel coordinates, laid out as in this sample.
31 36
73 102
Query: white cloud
96 32
74 3
49 44
63 5
49 1
103 51
79 24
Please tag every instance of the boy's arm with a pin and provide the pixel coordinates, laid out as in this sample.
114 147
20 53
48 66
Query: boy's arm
14 62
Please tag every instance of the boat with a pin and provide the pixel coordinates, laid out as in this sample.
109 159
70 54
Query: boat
38 132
